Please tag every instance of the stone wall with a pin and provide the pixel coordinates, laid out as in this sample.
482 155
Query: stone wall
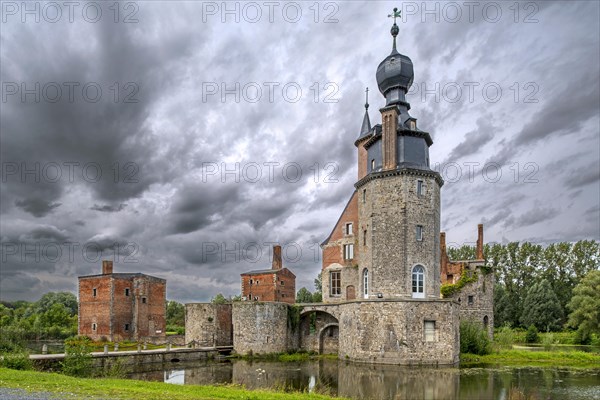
390 214
392 332
477 298
349 278
262 328
208 324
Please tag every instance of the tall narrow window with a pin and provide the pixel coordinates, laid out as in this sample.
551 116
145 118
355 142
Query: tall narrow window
94 292
373 165
126 327
418 282
336 283
430 331
348 229
144 300
364 195
366 283
420 187
348 251
94 326
419 233
365 237
126 291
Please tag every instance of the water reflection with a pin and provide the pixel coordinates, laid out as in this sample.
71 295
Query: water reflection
364 381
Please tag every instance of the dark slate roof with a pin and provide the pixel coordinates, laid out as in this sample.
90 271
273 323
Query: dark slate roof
267 271
123 275
366 125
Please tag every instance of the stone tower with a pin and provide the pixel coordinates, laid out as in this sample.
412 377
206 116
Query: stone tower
398 195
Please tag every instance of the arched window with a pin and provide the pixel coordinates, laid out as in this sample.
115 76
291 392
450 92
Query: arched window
418 282
485 322
366 283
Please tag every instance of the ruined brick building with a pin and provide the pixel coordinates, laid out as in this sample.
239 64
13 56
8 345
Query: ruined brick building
476 297
385 259
121 306
275 284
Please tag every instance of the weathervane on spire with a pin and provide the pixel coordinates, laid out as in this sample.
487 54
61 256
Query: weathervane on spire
367 99
394 31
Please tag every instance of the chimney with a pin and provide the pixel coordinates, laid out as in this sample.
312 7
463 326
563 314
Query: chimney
480 242
276 257
444 255
107 267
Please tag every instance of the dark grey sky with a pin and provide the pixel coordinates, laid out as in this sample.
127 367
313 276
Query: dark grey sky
120 129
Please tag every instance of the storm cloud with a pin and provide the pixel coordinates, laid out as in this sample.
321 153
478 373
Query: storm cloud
184 143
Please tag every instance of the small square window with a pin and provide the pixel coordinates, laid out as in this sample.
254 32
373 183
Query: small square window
143 300
419 233
126 327
430 331
470 300
126 291
282 283
94 291
348 229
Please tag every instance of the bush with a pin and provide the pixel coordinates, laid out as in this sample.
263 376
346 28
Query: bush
18 360
78 358
474 339
532 334
582 336
504 338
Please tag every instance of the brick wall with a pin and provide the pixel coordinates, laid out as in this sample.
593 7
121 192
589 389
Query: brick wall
278 285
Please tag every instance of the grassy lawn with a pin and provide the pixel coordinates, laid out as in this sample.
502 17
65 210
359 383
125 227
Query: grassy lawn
132 389
534 358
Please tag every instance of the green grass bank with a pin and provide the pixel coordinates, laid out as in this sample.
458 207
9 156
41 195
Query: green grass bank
132 389
578 359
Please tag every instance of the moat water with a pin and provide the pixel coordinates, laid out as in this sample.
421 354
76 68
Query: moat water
363 381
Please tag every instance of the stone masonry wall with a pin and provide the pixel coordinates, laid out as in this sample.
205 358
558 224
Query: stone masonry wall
393 332
262 328
390 214
208 324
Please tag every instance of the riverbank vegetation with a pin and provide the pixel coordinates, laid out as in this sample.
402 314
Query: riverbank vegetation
533 358
554 288
65 386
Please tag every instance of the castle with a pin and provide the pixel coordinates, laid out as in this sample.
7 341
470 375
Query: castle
383 263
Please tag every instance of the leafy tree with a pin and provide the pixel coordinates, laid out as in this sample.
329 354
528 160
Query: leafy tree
532 334
219 299
541 307
318 284
69 300
465 252
304 296
585 306
175 313
317 297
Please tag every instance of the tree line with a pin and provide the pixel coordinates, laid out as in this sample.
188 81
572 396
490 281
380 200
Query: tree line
536 285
